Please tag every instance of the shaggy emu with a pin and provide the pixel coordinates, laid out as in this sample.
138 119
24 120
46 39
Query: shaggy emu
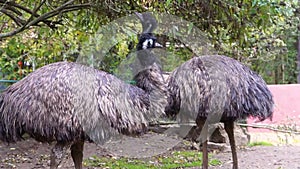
209 89
70 103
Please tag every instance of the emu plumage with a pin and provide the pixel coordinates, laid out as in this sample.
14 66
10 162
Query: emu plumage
211 89
70 103
244 92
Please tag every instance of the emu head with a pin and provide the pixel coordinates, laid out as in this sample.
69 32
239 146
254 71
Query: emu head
151 78
147 41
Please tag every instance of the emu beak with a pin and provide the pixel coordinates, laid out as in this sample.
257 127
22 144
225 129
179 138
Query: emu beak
157 45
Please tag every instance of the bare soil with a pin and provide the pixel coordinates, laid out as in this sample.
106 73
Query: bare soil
29 154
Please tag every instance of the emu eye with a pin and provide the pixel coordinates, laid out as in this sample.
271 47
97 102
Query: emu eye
150 42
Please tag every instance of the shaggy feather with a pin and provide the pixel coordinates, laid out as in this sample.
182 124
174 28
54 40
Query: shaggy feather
219 85
67 102
70 103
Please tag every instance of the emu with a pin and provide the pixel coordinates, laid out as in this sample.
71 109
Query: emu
211 89
71 103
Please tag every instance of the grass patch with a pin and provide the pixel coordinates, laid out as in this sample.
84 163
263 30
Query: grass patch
296 140
260 143
177 159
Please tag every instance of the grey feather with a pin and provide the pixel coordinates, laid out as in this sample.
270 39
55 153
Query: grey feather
68 101
218 84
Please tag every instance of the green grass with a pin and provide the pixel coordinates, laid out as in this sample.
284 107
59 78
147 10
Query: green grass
176 159
260 143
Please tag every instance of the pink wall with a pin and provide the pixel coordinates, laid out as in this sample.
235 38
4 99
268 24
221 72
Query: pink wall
287 106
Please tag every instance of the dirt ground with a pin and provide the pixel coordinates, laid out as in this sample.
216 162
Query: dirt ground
30 154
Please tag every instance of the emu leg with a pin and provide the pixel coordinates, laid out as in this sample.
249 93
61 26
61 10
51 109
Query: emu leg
193 134
204 155
57 154
203 138
77 154
229 126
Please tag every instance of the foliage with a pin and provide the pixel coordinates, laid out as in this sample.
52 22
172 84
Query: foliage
43 45
176 159
19 16
260 143
260 33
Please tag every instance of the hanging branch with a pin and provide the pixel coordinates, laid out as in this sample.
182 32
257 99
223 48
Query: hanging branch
14 12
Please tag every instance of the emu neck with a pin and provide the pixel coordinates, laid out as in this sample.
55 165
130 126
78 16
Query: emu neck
148 84
146 58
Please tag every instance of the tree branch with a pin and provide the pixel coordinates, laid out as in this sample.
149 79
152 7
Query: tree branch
13 4
66 9
11 8
35 18
16 19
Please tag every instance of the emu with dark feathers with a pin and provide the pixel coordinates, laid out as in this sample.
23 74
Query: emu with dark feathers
70 103
211 89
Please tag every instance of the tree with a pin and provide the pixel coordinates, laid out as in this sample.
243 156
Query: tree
298 43
38 32
20 17
260 33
